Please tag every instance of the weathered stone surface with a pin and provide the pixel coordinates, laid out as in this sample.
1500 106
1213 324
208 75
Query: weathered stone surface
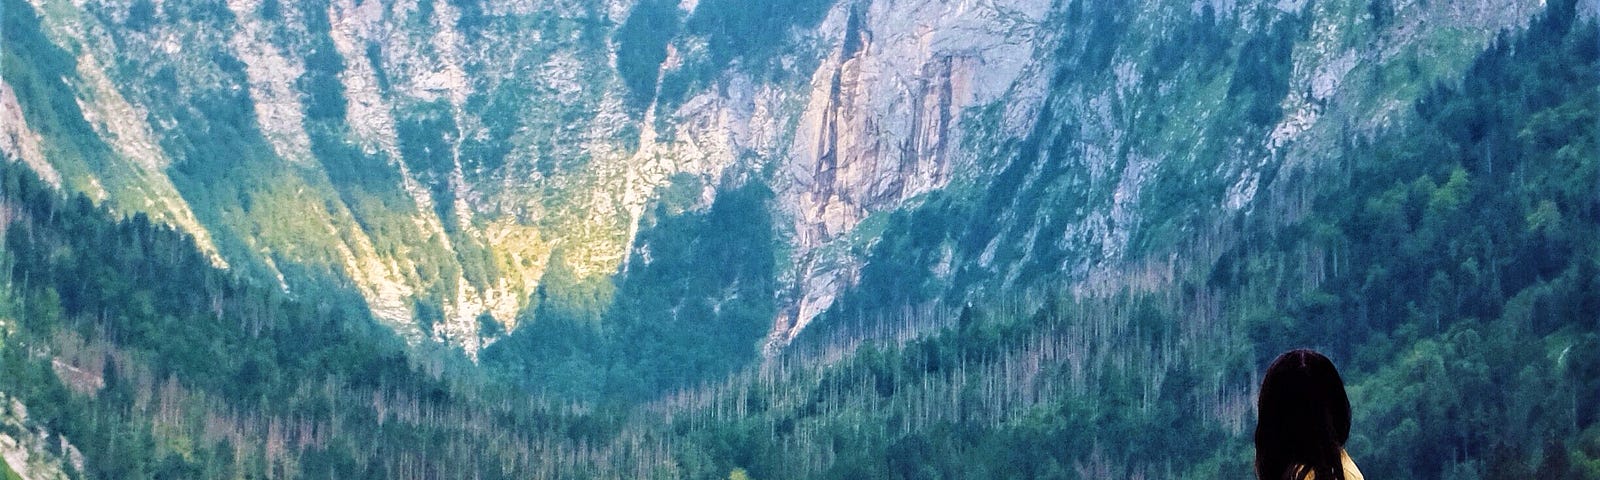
889 100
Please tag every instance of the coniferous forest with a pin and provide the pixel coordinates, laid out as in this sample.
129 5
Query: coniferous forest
1450 265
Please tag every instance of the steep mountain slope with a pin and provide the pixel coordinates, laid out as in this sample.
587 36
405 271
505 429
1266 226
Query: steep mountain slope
124 354
440 158
975 239
1169 132
435 156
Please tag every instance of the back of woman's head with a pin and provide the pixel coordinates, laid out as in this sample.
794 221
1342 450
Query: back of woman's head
1303 419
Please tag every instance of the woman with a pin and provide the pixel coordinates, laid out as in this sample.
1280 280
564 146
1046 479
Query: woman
1303 421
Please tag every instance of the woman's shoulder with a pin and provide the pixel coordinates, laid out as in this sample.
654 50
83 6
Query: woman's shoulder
1349 466
1350 470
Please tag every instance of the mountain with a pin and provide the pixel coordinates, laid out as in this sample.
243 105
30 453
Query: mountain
436 157
860 239
439 157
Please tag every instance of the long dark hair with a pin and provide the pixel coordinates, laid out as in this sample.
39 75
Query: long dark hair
1303 419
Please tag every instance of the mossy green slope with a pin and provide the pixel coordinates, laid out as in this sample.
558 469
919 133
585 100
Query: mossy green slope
6 472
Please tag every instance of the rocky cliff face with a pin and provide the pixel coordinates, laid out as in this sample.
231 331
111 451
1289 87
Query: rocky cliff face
436 156
885 121
29 453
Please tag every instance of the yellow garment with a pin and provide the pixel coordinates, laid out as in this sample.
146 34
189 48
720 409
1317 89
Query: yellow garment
1350 470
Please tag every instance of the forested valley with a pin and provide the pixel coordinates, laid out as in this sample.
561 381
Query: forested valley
1450 265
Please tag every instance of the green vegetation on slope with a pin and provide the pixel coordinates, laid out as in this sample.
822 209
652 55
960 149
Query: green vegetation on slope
642 46
1456 270
752 32
40 74
157 365
716 36
692 306
1449 266
1039 215
6 472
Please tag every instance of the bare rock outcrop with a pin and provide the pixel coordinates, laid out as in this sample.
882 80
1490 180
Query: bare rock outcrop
884 122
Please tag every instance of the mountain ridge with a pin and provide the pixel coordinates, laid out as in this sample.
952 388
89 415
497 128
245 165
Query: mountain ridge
1406 187
398 150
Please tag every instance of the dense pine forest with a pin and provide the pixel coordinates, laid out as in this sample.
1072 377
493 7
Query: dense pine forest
1449 265
155 364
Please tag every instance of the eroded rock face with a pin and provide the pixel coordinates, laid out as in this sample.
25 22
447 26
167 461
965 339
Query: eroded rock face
884 121
20 142
435 158
29 453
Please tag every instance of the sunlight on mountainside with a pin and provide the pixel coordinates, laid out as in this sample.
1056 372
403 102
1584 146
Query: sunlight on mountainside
422 239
